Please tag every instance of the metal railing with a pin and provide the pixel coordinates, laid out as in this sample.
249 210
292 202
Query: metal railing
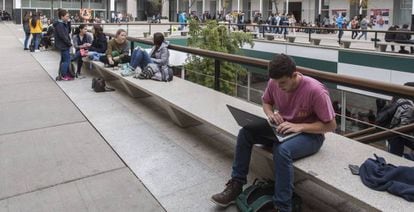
355 82
309 30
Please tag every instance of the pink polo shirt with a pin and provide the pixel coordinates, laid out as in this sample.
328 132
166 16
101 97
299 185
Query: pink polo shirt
310 101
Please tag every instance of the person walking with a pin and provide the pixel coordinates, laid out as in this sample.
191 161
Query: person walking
354 27
26 29
340 24
364 26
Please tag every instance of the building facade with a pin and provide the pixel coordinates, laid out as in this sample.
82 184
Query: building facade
386 12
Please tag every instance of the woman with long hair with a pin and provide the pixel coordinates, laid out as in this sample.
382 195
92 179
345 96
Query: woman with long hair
26 28
118 50
62 42
36 30
100 43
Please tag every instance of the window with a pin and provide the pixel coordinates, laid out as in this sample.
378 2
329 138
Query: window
406 4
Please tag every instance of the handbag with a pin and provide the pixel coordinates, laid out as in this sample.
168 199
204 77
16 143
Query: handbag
83 52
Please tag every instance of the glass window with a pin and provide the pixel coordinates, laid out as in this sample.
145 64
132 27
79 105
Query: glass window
25 3
406 4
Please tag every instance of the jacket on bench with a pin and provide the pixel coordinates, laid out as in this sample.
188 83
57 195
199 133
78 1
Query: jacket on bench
380 176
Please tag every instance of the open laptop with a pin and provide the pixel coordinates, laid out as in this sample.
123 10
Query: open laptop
258 124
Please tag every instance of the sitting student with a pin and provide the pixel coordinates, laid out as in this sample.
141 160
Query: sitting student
99 43
404 38
295 103
159 55
81 41
46 40
404 115
390 36
118 50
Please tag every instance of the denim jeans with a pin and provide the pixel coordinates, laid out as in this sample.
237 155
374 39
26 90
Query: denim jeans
64 62
36 37
78 58
363 34
340 33
140 58
26 39
284 154
396 145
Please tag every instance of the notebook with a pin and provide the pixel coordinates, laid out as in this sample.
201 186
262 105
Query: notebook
258 124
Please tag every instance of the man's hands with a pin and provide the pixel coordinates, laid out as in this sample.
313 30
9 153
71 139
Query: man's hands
275 118
287 128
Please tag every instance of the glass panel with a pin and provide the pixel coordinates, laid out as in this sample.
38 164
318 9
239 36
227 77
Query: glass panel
25 3
43 3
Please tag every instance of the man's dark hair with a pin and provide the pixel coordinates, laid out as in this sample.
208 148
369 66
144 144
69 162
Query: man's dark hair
158 38
280 66
62 13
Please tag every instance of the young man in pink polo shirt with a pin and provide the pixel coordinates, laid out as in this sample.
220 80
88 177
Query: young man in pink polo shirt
296 103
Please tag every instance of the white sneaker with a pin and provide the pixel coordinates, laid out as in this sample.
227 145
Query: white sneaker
37 50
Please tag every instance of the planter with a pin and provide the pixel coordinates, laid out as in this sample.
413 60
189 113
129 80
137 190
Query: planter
291 39
146 34
382 47
166 34
347 44
316 42
183 33
270 37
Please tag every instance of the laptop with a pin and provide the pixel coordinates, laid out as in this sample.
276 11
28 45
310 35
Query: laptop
258 124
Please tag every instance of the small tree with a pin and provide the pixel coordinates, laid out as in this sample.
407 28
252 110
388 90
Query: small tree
215 37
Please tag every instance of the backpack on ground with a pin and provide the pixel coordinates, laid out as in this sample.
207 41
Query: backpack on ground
258 197
165 74
99 85
386 114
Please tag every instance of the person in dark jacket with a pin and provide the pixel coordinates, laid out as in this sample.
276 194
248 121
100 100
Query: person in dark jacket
390 36
404 38
63 43
100 43
26 28
81 41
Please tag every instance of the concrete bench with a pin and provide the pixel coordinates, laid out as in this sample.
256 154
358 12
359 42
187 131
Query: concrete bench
382 46
324 176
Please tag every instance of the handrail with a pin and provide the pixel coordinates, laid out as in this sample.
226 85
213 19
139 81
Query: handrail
372 85
366 84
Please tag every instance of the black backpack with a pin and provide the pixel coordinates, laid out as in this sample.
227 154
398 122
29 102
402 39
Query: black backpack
386 114
99 85
259 197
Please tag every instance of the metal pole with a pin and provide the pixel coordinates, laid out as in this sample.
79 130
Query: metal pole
343 111
319 11
238 6
261 7
217 75
360 7
52 14
204 7
375 39
149 26
287 7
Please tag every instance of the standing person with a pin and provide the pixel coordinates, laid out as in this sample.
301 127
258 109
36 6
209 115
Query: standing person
295 103
26 28
340 23
81 41
364 26
118 50
62 43
36 29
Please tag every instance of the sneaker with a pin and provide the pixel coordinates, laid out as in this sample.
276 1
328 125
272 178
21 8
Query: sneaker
67 78
128 71
229 195
26 49
37 50
79 76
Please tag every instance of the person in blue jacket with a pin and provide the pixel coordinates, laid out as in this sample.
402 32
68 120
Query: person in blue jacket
63 43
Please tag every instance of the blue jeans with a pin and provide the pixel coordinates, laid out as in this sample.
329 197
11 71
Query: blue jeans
36 37
26 39
78 58
340 33
140 58
396 145
64 62
284 154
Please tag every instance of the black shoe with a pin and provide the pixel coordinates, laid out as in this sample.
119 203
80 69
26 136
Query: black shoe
26 49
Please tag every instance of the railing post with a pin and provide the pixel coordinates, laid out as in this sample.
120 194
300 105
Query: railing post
149 26
171 29
127 29
343 111
249 81
375 40
217 75
310 34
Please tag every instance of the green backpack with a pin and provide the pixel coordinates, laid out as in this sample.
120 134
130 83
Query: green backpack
259 197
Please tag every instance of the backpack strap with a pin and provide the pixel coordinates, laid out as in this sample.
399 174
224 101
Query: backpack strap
260 202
